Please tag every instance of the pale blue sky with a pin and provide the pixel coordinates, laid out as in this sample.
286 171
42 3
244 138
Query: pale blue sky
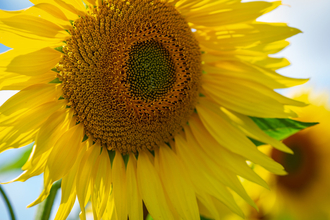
309 54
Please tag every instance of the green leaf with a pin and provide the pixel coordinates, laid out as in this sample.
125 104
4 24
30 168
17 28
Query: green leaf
19 162
55 81
59 49
85 138
280 128
111 155
125 158
55 70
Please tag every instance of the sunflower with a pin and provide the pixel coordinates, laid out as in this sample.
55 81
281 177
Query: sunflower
143 102
305 190
303 194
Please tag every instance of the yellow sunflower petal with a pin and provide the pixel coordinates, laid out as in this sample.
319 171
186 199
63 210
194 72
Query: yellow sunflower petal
72 6
95 2
177 186
54 172
13 38
119 186
233 139
68 196
134 200
224 14
271 48
206 206
14 81
184 4
232 162
63 155
83 177
194 155
287 81
63 6
205 183
273 63
244 35
53 10
239 71
252 130
78 4
23 132
247 59
149 186
101 183
33 63
110 213
44 10
47 136
92 2
68 188
33 27
264 103
28 98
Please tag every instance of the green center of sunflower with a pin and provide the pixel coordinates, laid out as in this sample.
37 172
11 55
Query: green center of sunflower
131 71
151 70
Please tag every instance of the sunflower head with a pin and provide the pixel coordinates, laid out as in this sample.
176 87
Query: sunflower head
132 76
143 103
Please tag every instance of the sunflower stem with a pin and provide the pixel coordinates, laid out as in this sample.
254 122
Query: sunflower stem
46 206
10 208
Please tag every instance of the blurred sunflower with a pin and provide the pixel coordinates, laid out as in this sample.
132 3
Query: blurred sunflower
304 193
129 106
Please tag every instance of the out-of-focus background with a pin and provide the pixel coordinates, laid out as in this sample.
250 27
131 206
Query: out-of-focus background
309 54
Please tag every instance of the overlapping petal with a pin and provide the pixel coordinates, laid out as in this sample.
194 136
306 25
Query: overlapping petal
221 13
